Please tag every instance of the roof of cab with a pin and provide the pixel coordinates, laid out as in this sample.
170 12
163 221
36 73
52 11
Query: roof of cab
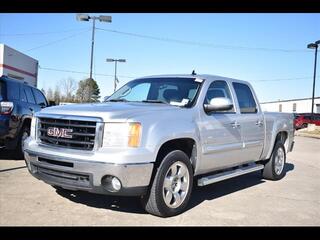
201 76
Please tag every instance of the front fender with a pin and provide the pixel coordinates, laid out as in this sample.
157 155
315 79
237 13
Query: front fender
160 133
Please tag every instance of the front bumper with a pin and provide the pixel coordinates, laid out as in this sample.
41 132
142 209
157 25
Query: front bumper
78 174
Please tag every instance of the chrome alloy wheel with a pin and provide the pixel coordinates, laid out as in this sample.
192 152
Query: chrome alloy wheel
176 185
279 161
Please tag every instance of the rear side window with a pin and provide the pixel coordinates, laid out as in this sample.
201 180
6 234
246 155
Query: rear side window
13 90
23 96
40 99
29 94
246 101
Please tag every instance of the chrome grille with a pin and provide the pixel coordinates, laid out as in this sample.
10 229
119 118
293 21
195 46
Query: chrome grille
82 136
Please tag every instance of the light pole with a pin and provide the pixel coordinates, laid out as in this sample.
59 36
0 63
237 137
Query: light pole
115 70
101 18
314 46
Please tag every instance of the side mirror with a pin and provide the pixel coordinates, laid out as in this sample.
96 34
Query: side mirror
218 104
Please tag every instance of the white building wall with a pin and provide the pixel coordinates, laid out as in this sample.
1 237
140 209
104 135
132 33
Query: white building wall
302 106
17 65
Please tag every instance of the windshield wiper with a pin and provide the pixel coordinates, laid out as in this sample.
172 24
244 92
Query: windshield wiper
154 101
117 100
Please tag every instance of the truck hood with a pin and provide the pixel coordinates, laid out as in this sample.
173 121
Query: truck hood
109 111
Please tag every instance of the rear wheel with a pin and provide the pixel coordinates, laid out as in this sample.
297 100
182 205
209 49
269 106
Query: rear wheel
171 187
274 169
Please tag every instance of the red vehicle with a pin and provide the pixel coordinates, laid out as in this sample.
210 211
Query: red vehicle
302 120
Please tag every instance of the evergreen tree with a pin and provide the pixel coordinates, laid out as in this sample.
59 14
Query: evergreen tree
88 91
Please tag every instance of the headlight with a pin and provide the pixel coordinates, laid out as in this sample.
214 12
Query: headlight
122 135
33 127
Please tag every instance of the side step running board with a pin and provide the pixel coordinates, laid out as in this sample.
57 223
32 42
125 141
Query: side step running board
229 174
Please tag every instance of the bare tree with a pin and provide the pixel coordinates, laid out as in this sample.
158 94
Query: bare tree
69 86
57 95
49 94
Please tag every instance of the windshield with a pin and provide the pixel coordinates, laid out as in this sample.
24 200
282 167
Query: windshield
174 91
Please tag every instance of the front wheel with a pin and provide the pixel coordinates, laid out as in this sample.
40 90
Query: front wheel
24 133
275 167
171 187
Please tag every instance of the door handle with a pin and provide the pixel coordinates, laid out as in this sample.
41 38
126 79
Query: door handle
235 124
259 123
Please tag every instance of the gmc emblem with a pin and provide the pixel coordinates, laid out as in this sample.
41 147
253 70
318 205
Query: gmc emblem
59 132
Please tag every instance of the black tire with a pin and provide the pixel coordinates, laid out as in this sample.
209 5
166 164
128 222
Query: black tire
25 131
154 202
269 171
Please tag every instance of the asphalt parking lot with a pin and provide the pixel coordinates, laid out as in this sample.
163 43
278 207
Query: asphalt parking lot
246 200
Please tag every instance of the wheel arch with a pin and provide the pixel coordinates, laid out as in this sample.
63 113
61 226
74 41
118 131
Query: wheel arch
186 144
282 136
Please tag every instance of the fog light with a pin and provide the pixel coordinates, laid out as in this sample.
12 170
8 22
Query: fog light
116 184
111 183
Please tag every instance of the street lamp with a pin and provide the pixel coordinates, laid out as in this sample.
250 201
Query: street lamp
314 46
115 70
86 17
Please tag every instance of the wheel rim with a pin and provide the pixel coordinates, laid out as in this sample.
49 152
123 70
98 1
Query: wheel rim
279 161
176 185
24 137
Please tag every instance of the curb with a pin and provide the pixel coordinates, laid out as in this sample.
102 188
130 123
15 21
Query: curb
308 135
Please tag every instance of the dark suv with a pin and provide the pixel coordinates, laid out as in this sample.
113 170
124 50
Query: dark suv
18 102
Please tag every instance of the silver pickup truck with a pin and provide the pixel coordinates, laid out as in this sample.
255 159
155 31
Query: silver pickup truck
158 136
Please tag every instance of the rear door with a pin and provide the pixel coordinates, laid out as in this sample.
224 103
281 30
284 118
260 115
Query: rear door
29 99
251 122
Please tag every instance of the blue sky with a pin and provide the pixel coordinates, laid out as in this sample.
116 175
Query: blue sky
61 42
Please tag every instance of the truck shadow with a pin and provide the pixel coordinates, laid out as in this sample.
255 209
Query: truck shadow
199 194
116 203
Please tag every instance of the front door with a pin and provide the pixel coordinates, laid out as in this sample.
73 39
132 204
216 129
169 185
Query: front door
220 133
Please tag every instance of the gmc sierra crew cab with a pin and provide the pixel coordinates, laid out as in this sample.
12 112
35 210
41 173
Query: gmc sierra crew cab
156 137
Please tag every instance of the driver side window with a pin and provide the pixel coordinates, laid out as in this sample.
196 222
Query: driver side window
218 89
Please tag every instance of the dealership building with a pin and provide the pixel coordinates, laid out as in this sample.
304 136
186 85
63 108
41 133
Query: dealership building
302 105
